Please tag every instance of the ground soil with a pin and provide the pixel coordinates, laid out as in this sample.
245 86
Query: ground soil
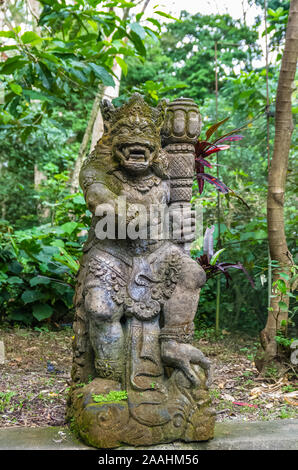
35 379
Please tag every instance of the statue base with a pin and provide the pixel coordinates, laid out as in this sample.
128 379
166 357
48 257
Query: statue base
104 416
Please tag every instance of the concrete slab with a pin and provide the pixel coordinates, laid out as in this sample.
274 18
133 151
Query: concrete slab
237 435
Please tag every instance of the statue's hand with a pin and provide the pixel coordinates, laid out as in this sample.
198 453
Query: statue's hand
181 356
183 223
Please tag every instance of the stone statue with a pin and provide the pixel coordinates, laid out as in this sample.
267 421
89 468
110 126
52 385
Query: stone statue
136 378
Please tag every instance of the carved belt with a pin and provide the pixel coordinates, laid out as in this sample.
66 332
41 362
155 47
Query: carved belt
144 293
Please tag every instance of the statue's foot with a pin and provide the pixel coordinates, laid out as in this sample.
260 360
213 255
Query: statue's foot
181 356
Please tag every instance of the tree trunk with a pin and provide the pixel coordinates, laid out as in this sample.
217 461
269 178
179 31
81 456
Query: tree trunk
74 186
108 93
39 176
278 311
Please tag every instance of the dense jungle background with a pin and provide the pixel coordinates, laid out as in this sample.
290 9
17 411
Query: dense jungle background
58 59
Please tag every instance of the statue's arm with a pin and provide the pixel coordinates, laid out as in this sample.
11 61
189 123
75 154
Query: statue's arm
98 194
93 181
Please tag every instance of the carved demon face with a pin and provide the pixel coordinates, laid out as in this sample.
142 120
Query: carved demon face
135 143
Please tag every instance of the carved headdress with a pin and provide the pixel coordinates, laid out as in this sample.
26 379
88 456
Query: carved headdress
134 109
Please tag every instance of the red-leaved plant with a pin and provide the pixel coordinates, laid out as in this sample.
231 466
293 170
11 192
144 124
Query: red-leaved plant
210 264
204 149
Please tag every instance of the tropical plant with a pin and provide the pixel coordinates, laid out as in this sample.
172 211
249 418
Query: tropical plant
38 266
204 149
210 260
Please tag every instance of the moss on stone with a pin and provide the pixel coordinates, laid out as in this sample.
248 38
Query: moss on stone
113 396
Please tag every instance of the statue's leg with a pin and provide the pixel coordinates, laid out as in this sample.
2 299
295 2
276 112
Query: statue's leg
178 315
105 331
103 302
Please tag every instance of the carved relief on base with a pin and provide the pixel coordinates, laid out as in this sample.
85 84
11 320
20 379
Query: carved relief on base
107 425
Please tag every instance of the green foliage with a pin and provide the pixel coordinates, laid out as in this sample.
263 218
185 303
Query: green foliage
38 265
5 401
277 18
71 49
182 62
190 44
53 149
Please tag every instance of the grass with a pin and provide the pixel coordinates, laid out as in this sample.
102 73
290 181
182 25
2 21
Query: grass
5 400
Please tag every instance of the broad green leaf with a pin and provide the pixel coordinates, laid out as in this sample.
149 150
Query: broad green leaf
49 57
31 296
102 74
8 48
44 75
7 34
138 43
282 286
24 317
122 64
282 305
39 280
17 89
78 74
36 95
138 29
58 242
166 15
30 37
42 311
15 280
285 276
139 16
271 12
15 267
12 64
154 22
69 227
79 200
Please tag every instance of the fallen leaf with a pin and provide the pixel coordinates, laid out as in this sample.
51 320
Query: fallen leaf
255 392
292 395
18 359
253 397
244 404
290 401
